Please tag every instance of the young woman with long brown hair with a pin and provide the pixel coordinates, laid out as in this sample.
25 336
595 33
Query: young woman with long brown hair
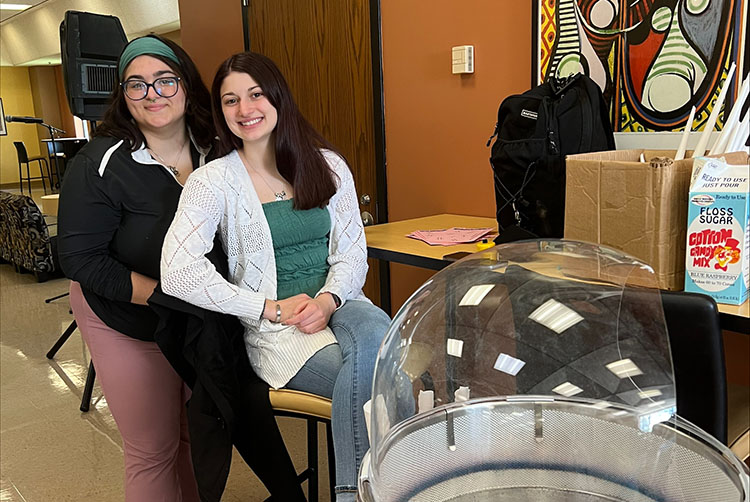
284 204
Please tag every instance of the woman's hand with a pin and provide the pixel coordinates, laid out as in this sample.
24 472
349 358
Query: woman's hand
288 307
143 288
313 314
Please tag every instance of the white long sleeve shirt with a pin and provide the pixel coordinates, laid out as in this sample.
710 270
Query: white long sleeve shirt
221 196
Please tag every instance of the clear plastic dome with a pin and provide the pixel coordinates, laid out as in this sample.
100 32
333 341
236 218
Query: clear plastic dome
537 370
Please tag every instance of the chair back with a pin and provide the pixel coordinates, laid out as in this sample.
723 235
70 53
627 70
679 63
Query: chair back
23 157
698 357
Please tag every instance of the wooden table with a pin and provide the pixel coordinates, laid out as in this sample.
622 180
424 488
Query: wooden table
388 242
735 317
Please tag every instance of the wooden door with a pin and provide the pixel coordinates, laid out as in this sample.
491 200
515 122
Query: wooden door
324 49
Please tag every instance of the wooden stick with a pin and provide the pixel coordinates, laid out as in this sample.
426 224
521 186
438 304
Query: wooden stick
685 135
700 148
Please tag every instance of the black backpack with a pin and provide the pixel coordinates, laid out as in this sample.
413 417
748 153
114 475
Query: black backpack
535 131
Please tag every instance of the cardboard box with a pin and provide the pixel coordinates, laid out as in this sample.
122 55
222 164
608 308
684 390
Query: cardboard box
614 199
718 231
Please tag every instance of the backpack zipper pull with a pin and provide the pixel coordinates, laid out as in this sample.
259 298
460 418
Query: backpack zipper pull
494 133
552 143
516 214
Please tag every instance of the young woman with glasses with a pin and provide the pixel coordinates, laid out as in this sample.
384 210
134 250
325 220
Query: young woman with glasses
118 197
286 209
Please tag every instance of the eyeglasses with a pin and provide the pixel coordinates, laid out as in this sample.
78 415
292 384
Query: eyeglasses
166 87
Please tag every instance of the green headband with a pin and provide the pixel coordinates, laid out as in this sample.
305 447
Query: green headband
145 46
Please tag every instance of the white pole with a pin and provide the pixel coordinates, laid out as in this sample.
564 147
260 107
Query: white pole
700 148
739 139
733 121
685 135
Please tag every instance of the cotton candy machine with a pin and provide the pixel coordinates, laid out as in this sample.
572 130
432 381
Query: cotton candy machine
537 370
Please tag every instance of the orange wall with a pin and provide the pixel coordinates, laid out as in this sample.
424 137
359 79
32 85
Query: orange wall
210 32
437 123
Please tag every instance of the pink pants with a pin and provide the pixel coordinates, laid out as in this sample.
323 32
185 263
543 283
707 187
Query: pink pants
147 400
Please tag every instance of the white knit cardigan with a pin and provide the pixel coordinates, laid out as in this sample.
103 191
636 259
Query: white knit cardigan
221 196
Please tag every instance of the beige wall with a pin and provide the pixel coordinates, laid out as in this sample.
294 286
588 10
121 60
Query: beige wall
437 123
15 90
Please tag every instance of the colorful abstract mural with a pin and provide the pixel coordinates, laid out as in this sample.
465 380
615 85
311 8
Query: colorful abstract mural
653 59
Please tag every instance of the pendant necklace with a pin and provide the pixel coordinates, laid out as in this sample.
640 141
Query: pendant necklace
171 167
278 195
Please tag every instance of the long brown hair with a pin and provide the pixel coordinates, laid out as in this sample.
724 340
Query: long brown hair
297 144
119 123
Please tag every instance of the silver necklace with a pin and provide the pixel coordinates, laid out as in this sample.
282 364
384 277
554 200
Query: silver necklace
171 167
278 195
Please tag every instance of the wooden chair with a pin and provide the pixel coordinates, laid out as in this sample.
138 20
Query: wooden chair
314 409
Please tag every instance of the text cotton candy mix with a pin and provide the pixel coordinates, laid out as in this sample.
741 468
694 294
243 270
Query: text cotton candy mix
718 233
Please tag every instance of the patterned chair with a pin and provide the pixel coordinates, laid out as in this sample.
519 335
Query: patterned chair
26 240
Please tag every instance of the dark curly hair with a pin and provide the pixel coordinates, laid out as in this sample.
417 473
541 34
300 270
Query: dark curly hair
119 123
297 144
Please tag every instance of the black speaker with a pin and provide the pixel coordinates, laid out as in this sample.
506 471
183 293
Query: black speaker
90 45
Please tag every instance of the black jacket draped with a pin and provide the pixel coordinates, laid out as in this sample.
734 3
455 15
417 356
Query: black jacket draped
229 402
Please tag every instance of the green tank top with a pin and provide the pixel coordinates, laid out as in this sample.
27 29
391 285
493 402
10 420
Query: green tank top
300 244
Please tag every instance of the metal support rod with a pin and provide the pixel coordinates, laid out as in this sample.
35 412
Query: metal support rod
88 389
52 131
63 338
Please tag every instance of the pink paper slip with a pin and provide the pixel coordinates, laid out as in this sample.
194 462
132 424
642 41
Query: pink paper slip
450 236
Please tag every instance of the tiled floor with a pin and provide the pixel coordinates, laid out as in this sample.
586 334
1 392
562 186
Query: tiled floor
49 450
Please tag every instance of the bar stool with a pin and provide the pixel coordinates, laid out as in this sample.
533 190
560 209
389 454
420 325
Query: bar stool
314 409
285 403
23 158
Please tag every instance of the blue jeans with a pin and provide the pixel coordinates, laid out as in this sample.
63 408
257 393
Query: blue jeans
343 373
